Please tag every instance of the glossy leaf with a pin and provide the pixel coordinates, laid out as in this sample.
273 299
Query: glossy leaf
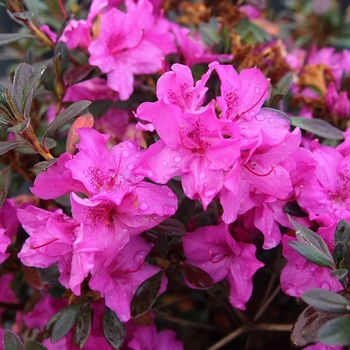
50 275
11 341
171 227
318 127
61 323
305 328
20 127
335 332
76 74
146 295
197 277
327 301
113 329
33 345
67 115
339 273
342 232
83 326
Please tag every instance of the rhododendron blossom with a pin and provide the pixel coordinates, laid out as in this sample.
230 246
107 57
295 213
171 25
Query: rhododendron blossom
213 249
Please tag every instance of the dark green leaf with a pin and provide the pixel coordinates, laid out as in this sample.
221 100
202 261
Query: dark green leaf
339 273
61 323
335 332
28 89
197 277
318 127
327 301
6 146
45 164
275 98
275 113
76 74
33 345
5 182
162 245
305 328
23 15
8 38
20 127
185 210
83 326
11 341
5 114
146 295
342 232
293 208
171 227
339 255
285 83
67 115
309 238
113 329
62 50
50 275
311 254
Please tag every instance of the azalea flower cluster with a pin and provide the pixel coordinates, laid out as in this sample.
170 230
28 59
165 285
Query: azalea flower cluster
186 136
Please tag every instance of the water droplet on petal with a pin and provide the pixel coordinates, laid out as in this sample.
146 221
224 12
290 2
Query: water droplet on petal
171 194
143 206
125 154
130 166
165 163
202 175
260 118
325 285
256 90
177 159
130 145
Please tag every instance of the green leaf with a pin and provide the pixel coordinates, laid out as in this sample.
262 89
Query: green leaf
342 232
318 127
339 273
33 345
11 341
146 295
197 277
50 275
310 239
311 254
171 227
45 164
9 38
335 332
307 325
61 323
83 326
162 245
23 15
67 115
6 146
113 329
5 182
20 127
186 210
62 50
285 83
327 301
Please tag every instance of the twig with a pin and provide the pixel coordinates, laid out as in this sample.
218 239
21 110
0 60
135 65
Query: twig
250 328
266 304
183 322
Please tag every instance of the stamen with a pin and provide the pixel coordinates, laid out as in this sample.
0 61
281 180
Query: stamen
248 110
268 173
293 199
43 245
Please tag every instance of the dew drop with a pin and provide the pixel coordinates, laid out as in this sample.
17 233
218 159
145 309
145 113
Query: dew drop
171 194
130 166
125 154
165 163
130 145
177 159
271 120
202 176
256 90
260 118
143 206
325 285
137 155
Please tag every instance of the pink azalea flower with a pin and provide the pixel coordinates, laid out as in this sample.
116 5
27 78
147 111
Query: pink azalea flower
125 46
213 249
192 145
319 346
118 280
326 195
193 49
300 275
147 338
